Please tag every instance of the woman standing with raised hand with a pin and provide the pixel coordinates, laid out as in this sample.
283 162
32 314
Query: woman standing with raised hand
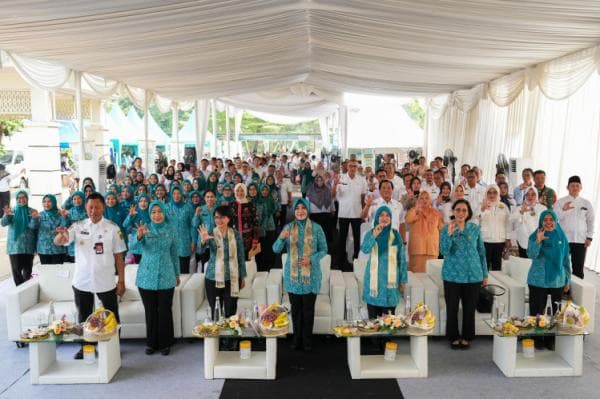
385 274
47 223
525 219
424 235
157 277
245 217
226 271
464 271
306 245
266 209
21 239
494 221
138 214
76 213
204 216
180 215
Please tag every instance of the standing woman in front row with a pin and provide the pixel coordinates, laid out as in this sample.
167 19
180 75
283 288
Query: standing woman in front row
157 277
464 271
21 237
226 271
385 274
306 245
47 223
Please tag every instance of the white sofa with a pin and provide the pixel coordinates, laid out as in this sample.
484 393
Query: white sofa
514 276
329 306
354 288
194 305
437 302
28 304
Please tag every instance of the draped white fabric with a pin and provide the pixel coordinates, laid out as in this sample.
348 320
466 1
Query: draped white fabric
41 74
551 115
209 49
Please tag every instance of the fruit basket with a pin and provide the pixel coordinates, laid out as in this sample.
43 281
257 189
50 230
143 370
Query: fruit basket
100 325
572 319
421 321
273 321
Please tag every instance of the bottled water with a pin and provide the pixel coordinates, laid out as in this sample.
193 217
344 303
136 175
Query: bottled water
218 313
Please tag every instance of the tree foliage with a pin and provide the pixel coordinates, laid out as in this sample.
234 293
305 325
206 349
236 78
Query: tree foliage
8 126
416 112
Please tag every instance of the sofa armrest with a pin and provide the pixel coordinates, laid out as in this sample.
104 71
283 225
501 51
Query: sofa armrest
192 296
274 283
584 293
259 288
415 287
18 300
337 293
514 299
352 293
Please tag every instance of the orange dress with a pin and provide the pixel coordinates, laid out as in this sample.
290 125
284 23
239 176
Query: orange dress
424 238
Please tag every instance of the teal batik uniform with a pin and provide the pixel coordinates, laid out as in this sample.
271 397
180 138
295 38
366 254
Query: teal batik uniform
181 215
22 235
206 217
464 255
385 296
76 213
131 222
46 226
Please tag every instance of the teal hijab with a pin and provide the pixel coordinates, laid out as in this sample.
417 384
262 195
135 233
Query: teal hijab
80 194
301 201
143 214
181 201
554 248
54 209
113 213
383 237
162 206
267 201
21 217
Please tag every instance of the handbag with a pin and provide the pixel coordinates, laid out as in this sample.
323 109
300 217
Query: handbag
485 301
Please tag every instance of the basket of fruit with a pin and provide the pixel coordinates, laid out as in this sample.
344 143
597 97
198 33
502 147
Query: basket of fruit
421 321
274 321
572 319
100 325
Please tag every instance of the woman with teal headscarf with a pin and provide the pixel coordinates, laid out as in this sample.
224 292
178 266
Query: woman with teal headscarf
47 223
181 215
550 272
21 238
113 211
152 183
187 188
306 245
385 274
213 182
157 276
160 193
195 199
204 217
75 214
227 196
266 209
127 197
138 215
199 184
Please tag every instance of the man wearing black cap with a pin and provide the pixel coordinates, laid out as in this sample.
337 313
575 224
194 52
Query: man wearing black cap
576 217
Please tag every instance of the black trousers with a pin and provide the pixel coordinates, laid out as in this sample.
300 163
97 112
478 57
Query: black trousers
228 303
324 220
4 201
467 294
282 220
69 259
201 259
55 259
303 317
376 311
265 259
158 307
522 252
345 223
21 265
493 254
84 301
577 258
184 264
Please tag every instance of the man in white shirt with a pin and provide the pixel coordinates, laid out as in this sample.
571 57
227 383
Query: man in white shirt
285 192
99 248
576 218
386 188
396 180
429 185
350 190
474 193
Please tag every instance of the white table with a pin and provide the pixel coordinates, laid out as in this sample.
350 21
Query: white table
221 364
565 360
45 368
413 365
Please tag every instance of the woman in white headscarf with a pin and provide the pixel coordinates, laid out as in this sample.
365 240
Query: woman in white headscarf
494 220
525 219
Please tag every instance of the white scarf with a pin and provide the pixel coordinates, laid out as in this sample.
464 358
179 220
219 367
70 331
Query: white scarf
233 261
392 266
307 251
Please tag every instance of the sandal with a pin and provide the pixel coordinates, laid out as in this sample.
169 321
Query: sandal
464 344
455 344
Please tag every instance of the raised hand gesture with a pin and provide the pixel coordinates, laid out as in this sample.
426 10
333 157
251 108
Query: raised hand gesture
451 228
285 233
568 206
63 212
35 214
132 210
62 235
369 200
142 230
539 237
377 230
8 211
198 210
203 230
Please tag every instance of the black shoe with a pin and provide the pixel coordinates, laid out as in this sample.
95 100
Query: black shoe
455 344
79 355
295 346
149 351
165 351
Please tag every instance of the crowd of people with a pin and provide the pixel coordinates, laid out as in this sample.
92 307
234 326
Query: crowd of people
214 216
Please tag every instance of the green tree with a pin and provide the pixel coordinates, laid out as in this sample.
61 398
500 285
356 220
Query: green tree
416 112
8 126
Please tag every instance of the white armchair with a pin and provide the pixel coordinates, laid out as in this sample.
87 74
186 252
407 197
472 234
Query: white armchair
354 288
194 305
514 276
329 305
438 306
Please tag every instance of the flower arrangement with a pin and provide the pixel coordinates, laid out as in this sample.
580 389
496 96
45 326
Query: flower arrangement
391 323
232 324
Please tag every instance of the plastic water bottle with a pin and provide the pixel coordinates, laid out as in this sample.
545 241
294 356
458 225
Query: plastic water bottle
255 315
51 313
407 305
349 316
548 309
494 311
218 313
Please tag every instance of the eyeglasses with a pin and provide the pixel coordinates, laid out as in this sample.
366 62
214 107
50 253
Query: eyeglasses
461 210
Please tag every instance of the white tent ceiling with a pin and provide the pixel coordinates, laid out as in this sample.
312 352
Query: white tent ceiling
201 49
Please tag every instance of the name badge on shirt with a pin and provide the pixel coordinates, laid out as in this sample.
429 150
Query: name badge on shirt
85 233
99 248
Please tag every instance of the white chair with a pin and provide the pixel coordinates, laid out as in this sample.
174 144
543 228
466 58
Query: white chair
354 288
195 307
438 306
329 305
514 276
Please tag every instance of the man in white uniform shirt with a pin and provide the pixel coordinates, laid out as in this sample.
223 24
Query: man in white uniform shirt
99 247
429 185
386 188
396 180
350 190
474 193
576 218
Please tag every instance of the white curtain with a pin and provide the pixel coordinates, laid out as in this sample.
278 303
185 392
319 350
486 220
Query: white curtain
549 114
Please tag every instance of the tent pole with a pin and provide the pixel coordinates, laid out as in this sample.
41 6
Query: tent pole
227 130
175 130
213 111
79 116
146 144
